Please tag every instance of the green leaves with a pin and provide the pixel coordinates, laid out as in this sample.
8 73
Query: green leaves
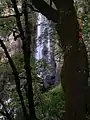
53 104
6 25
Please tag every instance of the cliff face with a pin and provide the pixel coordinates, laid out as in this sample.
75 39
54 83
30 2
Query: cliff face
46 48
12 47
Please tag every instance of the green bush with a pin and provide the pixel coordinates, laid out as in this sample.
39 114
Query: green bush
52 105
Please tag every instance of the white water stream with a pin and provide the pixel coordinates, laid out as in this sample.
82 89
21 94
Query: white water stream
45 51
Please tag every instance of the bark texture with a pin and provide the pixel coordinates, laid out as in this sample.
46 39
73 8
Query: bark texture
75 67
17 80
26 41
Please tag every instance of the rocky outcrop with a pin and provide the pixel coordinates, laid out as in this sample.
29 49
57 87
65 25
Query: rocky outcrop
45 39
12 47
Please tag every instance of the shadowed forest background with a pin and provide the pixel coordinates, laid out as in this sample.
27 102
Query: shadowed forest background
44 60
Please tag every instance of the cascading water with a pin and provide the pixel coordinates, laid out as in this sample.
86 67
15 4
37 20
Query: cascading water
45 51
39 46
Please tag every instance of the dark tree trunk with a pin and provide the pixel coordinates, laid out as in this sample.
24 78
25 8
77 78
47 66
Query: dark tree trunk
17 80
26 41
75 67
27 55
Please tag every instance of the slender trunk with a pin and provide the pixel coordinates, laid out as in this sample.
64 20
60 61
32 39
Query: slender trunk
75 67
17 80
27 55
9 117
26 40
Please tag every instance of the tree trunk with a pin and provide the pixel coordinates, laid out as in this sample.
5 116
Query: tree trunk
75 67
27 55
26 41
17 80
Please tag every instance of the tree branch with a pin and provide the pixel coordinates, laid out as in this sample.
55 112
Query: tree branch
3 114
19 25
35 10
27 67
17 80
60 4
7 16
22 77
6 112
46 10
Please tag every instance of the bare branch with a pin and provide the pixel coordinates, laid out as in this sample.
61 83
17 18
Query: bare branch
46 10
2 113
6 111
7 16
29 5
15 73
22 77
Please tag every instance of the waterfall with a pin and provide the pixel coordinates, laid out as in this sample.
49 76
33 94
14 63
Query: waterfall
45 50
39 46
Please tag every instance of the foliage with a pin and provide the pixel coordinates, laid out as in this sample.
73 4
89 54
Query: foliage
18 61
51 104
8 23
